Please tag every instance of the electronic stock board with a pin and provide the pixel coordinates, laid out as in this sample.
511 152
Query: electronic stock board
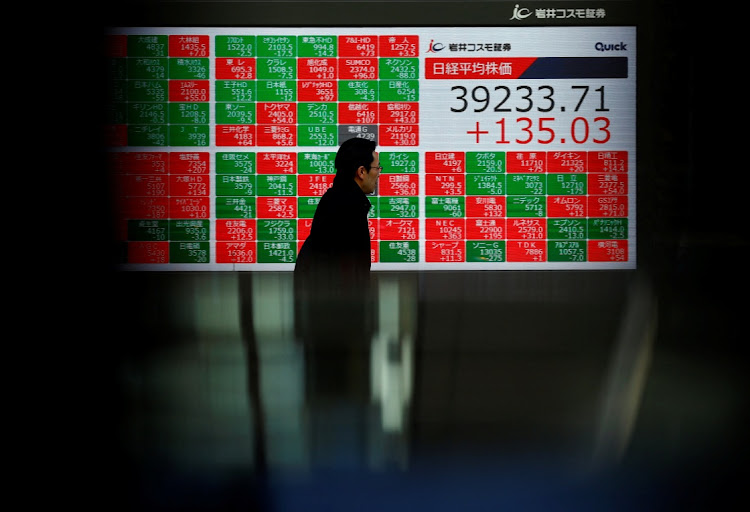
502 147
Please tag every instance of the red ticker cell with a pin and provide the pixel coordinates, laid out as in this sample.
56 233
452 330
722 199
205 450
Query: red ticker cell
358 69
523 162
398 135
189 208
236 68
148 252
314 184
445 161
188 90
608 206
608 250
527 229
567 161
608 161
358 113
146 162
358 46
399 46
188 45
445 229
277 162
609 184
317 90
485 206
445 184
399 229
189 185
399 112
277 113
277 207
303 228
372 224
240 135
236 252
398 185
317 68
234 230
188 162
485 229
527 251
277 135
566 206
445 251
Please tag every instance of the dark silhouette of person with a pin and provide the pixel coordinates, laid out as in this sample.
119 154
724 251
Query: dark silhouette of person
334 308
332 272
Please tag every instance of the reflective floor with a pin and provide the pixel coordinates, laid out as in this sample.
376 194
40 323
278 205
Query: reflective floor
475 391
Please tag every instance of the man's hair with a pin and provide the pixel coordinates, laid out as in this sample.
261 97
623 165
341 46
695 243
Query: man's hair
353 153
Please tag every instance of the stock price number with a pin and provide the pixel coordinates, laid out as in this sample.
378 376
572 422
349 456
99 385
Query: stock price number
541 131
524 98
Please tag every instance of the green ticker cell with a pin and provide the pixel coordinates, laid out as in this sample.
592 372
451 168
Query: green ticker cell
406 207
525 184
147 113
117 68
485 251
188 113
235 207
118 91
306 207
235 185
358 90
277 90
318 136
399 162
317 46
235 46
148 230
566 251
491 162
147 135
148 45
608 229
235 113
188 68
235 162
277 230
189 252
148 90
318 113
526 206
485 184
277 69
567 184
399 90
153 68
445 206
398 68
277 46
277 185
117 113
183 135
399 251
319 162
566 229
189 230
236 90
277 252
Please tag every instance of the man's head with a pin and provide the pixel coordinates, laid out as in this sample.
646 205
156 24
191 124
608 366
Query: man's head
357 159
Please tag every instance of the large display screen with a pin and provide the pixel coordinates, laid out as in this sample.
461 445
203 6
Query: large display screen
503 148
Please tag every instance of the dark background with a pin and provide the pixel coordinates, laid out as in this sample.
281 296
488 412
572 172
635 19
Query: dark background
688 445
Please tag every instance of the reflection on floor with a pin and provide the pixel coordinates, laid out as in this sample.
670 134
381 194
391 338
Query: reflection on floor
529 391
